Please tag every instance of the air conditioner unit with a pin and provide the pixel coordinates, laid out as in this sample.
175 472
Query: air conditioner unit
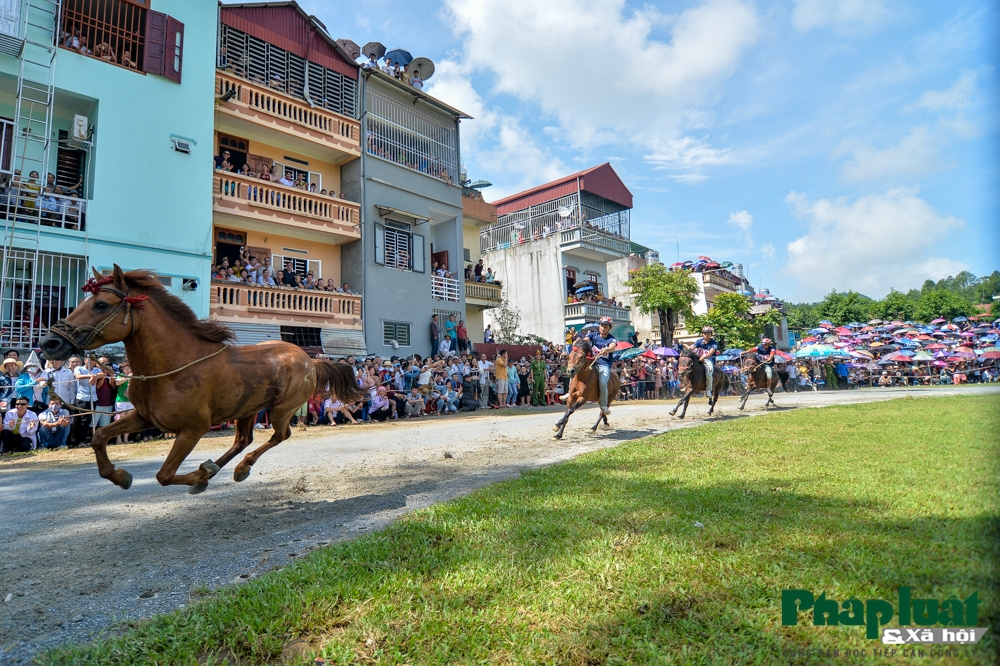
182 145
80 128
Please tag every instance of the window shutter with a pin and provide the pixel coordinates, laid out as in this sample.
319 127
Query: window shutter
379 244
418 253
173 55
316 267
277 264
156 34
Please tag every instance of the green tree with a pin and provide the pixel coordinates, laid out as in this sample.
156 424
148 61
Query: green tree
944 304
506 322
802 316
843 308
734 325
668 294
895 305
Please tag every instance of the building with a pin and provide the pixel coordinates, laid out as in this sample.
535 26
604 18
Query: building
408 184
550 248
286 104
479 296
645 326
111 99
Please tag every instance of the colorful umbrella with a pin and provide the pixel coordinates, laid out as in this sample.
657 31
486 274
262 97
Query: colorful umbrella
991 355
665 351
631 353
621 346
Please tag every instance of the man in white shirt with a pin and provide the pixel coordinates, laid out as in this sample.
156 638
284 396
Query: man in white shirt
20 428
445 347
484 380
287 179
54 425
63 381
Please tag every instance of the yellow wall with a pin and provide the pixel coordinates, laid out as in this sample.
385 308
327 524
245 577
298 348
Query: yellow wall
470 241
331 172
474 323
329 255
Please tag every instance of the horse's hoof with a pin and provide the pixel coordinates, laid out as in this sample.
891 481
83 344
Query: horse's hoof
741 407
555 428
126 481
673 412
240 475
210 467
198 488
556 436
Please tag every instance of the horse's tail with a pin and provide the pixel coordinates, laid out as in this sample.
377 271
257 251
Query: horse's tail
338 379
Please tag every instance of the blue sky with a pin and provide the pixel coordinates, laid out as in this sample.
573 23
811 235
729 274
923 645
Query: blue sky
826 144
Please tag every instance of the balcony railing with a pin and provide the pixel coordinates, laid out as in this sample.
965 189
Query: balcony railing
721 281
597 239
49 210
234 299
446 289
593 311
285 113
501 236
262 196
483 291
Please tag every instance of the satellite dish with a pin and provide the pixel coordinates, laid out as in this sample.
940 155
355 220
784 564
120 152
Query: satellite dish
565 212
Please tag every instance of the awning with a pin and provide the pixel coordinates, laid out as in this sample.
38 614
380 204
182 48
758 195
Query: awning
389 210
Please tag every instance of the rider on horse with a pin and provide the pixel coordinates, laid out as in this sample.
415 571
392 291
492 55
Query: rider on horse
765 354
707 348
604 343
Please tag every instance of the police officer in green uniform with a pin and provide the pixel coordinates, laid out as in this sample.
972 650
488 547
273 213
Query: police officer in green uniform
537 368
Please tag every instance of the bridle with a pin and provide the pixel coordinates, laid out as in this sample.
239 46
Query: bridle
72 332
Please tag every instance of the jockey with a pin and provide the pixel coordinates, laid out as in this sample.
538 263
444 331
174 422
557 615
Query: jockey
765 353
603 343
707 348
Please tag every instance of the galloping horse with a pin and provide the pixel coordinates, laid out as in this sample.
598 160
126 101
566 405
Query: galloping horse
187 376
757 379
691 374
584 385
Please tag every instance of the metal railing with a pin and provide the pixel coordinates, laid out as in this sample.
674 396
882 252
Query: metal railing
24 203
402 134
483 291
269 300
720 280
267 194
446 289
279 105
38 289
595 311
563 216
596 238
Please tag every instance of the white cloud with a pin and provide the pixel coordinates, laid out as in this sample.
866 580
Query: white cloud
744 221
599 70
917 154
869 244
767 251
958 96
838 14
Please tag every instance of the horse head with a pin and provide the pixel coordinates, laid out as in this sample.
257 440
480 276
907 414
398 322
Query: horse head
687 360
579 357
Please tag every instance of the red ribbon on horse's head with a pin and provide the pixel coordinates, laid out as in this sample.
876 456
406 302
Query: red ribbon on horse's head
94 286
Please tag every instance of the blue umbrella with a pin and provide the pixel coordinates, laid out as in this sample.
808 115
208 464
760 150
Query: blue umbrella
818 331
398 57
959 320
826 321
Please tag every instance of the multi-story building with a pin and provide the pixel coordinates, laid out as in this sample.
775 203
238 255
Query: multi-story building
110 102
407 181
479 296
286 105
550 248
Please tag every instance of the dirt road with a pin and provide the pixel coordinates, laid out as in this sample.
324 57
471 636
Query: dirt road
80 554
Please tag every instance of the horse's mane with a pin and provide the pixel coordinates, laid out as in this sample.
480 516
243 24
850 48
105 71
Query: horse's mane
584 345
688 352
178 310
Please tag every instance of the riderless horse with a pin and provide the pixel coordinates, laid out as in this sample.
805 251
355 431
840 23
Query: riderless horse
187 375
584 385
691 374
757 379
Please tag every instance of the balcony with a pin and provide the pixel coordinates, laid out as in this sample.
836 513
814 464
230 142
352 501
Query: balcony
236 302
482 294
589 241
446 289
594 243
49 210
591 312
264 201
719 282
306 126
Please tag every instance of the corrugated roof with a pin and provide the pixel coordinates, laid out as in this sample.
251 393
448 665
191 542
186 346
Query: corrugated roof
600 180
288 26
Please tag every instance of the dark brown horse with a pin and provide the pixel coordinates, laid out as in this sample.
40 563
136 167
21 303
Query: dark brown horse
691 374
584 385
188 376
757 379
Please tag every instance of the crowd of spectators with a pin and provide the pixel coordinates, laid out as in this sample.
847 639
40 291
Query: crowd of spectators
479 273
75 41
248 269
270 173
26 199
396 70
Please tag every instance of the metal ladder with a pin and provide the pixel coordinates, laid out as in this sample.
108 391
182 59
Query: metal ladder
39 31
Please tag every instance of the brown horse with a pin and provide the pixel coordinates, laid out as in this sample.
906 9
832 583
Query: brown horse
584 385
757 379
187 376
691 374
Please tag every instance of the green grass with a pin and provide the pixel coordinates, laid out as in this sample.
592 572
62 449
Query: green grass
598 560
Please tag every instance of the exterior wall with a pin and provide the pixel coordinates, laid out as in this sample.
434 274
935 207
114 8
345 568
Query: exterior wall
470 242
329 255
527 272
646 326
475 323
583 265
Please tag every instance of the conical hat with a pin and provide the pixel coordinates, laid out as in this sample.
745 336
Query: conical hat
33 360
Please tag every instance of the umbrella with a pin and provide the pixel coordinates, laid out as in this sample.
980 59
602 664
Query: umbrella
815 351
810 339
592 326
991 349
783 356
959 320
350 48
936 345
665 351
622 346
585 288
922 356
631 353
875 322
422 67
964 353
855 324
827 322
991 354
897 358
399 57
648 354
373 48
938 321
818 331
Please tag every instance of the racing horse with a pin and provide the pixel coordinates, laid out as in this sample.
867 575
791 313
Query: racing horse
584 385
187 375
691 374
757 379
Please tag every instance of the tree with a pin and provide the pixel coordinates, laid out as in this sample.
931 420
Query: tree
944 304
734 325
843 308
802 316
669 294
895 305
506 320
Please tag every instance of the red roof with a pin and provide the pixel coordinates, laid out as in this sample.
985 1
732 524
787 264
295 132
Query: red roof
600 180
288 26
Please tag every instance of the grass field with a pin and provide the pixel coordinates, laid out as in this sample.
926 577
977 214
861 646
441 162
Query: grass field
599 560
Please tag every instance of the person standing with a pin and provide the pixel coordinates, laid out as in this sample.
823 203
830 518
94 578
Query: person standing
435 336
86 394
463 337
513 384
500 372
538 369
484 381
488 334
106 393
62 380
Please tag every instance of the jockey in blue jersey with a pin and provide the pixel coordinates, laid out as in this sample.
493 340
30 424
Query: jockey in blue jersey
765 353
603 344
707 348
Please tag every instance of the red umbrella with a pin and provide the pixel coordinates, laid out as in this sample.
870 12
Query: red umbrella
782 355
924 337
843 330
993 355
649 354
937 345
811 338
623 345
898 358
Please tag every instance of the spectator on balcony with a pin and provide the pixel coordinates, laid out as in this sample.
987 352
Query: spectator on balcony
310 281
478 271
219 159
289 277
416 81
265 278
300 182
231 276
450 325
265 172
286 180
444 349
387 67
105 52
372 61
346 289
72 41
127 60
48 203
462 335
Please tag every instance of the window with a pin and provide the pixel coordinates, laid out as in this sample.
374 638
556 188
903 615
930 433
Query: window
398 247
592 278
111 30
466 255
400 134
300 266
303 336
254 59
392 330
